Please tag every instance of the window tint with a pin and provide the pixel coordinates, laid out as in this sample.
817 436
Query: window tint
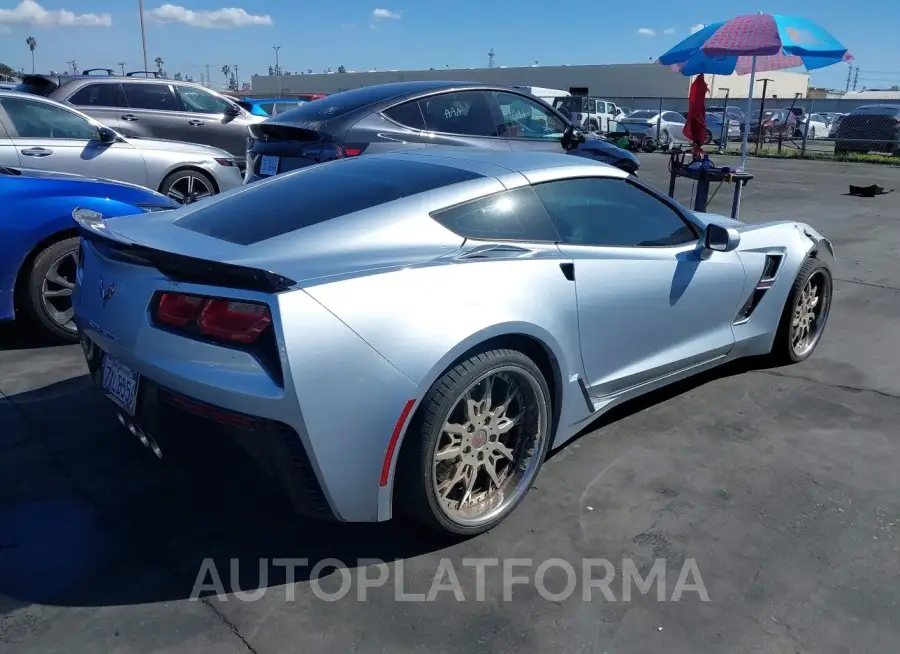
268 107
524 118
99 95
150 96
466 112
672 117
319 193
611 212
39 120
407 114
201 101
515 215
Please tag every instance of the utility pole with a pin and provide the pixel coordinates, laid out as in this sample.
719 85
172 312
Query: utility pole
208 78
121 65
276 48
491 58
237 80
855 77
71 65
143 33
849 74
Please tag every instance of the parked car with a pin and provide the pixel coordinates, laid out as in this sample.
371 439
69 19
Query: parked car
649 122
714 131
815 125
409 115
39 241
309 97
266 107
344 346
152 108
733 113
774 123
835 125
873 127
39 133
589 113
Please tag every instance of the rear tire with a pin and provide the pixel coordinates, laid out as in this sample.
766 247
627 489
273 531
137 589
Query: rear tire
490 412
814 277
47 292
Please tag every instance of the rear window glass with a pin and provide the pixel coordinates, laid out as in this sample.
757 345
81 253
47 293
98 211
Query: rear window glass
643 113
316 195
882 110
336 105
36 86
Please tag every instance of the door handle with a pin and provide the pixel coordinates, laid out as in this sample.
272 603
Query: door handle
129 117
195 123
37 152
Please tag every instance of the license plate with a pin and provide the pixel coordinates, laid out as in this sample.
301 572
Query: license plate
120 383
268 166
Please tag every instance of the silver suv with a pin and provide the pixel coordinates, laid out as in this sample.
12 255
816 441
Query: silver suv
151 107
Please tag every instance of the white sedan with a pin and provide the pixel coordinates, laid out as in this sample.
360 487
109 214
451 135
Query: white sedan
816 125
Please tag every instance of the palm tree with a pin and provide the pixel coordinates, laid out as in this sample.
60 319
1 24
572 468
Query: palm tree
226 71
32 44
159 64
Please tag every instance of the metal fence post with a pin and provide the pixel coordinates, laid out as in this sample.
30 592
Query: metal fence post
659 121
723 139
812 104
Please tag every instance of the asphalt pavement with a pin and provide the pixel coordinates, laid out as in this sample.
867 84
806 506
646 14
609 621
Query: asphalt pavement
776 489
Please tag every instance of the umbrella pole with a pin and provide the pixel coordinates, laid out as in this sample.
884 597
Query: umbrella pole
749 115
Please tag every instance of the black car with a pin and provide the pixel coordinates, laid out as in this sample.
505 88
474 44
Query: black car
874 127
405 115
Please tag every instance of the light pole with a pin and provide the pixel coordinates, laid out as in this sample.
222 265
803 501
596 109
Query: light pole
276 48
723 137
143 33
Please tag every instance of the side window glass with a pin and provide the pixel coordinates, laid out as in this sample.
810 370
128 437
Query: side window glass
407 114
611 212
98 95
524 118
199 101
467 112
515 215
150 96
39 120
268 107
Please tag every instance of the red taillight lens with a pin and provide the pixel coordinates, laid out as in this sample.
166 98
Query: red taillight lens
241 322
229 320
352 150
178 310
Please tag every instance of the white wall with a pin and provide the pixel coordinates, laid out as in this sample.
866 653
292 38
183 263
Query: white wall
782 84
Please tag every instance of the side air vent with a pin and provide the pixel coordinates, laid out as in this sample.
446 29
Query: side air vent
770 272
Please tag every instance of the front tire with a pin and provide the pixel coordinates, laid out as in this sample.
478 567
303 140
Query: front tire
804 315
47 292
187 186
476 444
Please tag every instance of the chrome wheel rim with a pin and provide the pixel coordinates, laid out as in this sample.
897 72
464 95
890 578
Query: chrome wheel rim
56 291
490 446
188 189
664 138
810 313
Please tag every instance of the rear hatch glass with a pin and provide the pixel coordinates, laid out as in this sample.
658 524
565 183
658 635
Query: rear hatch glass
291 202
36 85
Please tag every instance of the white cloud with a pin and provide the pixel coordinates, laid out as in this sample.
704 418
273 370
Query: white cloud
669 30
381 14
646 31
696 28
29 12
224 18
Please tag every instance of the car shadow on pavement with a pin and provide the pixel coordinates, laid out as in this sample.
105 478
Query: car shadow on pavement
21 335
89 517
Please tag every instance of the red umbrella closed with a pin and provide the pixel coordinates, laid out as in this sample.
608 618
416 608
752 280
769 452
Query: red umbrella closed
695 128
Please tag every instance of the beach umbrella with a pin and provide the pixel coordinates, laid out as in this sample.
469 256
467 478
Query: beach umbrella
755 43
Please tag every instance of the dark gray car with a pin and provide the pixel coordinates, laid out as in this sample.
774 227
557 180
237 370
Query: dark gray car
403 115
152 108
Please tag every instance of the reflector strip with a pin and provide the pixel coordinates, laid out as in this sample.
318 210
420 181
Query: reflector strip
392 445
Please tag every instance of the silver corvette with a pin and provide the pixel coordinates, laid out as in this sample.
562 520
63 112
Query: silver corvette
414 331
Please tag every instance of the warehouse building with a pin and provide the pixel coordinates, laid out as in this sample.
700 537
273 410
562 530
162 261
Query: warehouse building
627 84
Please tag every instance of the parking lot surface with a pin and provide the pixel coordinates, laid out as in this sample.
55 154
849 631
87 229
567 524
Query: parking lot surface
781 485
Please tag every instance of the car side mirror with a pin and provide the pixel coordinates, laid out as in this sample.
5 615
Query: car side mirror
233 110
107 135
721 239
572 138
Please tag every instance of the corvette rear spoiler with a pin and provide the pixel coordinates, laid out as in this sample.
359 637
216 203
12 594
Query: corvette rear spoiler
177 267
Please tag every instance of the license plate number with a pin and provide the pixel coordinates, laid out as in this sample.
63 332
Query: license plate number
268 166
120 383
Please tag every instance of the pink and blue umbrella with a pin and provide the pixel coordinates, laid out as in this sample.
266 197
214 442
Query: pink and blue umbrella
754 43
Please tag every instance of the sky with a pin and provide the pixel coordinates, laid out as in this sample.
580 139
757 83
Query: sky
402 34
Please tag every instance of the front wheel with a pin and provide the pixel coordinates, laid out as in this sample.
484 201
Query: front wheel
187 186
47 293
476 444
812 133
804 315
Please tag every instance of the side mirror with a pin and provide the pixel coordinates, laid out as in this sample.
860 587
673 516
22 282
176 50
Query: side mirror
233 110
721 239
572 138
107 135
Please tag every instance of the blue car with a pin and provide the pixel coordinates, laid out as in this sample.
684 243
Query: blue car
39 243
267 106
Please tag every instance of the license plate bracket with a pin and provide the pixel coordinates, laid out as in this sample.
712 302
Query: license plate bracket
269 165
120 383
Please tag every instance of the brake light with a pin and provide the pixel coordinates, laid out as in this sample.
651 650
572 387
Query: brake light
352 150
241 322
228 320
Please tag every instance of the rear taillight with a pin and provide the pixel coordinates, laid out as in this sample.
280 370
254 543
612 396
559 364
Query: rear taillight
234 321
351 150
